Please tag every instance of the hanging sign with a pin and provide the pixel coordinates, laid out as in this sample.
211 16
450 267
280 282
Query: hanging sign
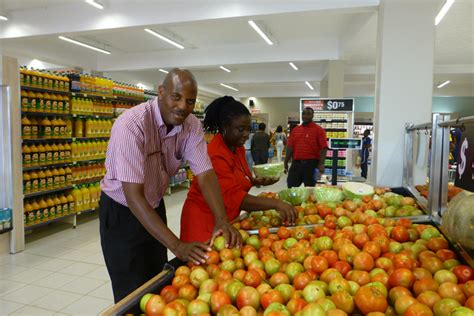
465 168
326 104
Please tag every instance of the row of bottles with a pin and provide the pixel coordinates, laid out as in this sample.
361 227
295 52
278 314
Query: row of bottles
48 207
87 172
88 84
92 127
43 79
87 106
128 90
90 149
86 197
32 128
48 179
44 102
35 155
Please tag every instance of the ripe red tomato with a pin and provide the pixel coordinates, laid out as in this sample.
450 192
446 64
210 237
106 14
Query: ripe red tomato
248 296
463 273
180 280
319 264
330 255
452 290
429 298
425 284
360 240
188 292
370 299
169 293
263 232
418 309
295 305
437 243
155 305
279 278
401 277
400 234
219 299
445 254
403 261
283 232
271 296
363 261
252 278
373 249
343 301
343 267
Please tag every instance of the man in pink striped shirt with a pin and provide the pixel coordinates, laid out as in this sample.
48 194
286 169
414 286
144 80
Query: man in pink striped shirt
147 146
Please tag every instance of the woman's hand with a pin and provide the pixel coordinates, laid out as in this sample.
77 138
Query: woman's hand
264 181
287 212
231 234
194 252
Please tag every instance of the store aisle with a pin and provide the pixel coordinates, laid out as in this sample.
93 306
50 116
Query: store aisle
62 271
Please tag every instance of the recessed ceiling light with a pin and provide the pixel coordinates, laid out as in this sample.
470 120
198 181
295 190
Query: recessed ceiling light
223 68
67 39
95 4
260 32
443 11
293 66
309 85
164 38
229 87
3 18
164 71
443 84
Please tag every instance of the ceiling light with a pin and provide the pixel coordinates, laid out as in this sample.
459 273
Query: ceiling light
64 38
164 71
229 87
309 85
95 4
223 68
443 84
3 18
443 11
164 38
260 32
293 66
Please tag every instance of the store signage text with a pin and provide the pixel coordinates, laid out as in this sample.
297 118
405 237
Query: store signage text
465 169
339 105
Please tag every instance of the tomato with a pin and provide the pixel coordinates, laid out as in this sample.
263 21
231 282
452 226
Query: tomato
295 305
470 303
319 264
248 311
283 232
452 290
468 288
359 277
330 255
404 222
347 252
437 243
169 293
248 296
445 306
421 273
343 267
401 277
252 278
263 232
301 280
330 274
174 308
180 280
271 296
360 240
219 299
198 307
187 292
400 234
403 303
383 242
213 257
155 305
403 261
432 264
197 276
445 254
463 273
279 278
396 292
343 301
429 298
363 261
418 309
425 284
370 299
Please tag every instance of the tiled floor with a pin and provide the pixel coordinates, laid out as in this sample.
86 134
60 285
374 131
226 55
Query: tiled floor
62 271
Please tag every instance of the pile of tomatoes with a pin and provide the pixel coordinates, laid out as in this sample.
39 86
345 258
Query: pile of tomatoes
370 266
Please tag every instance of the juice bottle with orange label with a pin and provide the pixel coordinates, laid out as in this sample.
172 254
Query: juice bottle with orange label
26 152
47 103
67 152
57 182
25 102
54 103
64 204
71 203
62 177
78 128
41 155
62 153
86 198
34 128
34 155
34 181
68 175
39 102
68 128
32 102
49 179
59 206
44 209
25 128
51 207
74 150
26 182
55 151
89 128
46 130
37 211
77 195
42 180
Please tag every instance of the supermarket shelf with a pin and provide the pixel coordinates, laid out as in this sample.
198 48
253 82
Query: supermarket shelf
87 211
87 181
100 116
45 114
129 99
90 138
87 160
3 231
331 121
338 158
28 88
29 195
93 96
187 182
335 129
49 221
45 140
55 165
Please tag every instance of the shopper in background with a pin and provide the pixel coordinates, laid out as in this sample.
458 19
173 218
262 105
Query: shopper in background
248 153
259 145
147 146
231 119
364 153
280 142
307 148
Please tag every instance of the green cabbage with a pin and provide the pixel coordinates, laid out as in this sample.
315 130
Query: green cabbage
458 219
295 196
328 194
354 190
269 170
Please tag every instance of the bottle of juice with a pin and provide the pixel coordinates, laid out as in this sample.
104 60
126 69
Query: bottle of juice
51 207
34 128
62 177
32 98
47 102
25 128
55 151
85 149
44 210
68 175
74 150
49 179
59 206
56 127
67 104
47 81
64 205
25 102
89 128
37 211
30 214
40 102
26 183
77 195
56 180
78 128
34 155
86 198
67 152
41 155
60 99
34 181
26 151
22 76
54 103
68 130
46 130
62 153
71 203
42 180
39 79
62 128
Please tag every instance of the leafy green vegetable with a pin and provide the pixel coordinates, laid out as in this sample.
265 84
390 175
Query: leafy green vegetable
295 196
328 194
269 170
354 190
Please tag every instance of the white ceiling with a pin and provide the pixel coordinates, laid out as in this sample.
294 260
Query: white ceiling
216 32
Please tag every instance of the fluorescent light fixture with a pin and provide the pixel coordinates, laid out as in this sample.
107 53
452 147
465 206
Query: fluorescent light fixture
443 11
3 18
293 66
229 87
164 38
309 85
163 71
223 68
443 84
260 32
95 4
67 39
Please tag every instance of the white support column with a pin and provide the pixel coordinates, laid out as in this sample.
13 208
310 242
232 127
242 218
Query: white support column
404 82
336 79
323 89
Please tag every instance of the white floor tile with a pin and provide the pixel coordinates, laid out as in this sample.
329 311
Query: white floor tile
31 310
94 247
87 306
29 276
100 274
7 286
79 268
104 291
54 264
7 307
23 259
82 285
47 249
57 300
56 280
76 255
10 270
27 294
97 259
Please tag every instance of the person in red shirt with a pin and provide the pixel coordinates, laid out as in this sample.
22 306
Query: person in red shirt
307 146
231 119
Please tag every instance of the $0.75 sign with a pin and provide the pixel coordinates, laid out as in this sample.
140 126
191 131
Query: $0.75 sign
465 168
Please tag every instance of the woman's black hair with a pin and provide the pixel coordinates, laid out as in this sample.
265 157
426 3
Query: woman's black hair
261 126
221 112
279 129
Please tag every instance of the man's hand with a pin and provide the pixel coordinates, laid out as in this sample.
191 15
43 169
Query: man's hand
194 252
286 167
264 181
287 212
321 169
230 233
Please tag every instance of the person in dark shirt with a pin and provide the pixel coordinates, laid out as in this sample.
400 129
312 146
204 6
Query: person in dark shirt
259 145
364 153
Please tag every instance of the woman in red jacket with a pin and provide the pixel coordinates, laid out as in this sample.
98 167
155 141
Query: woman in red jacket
231 119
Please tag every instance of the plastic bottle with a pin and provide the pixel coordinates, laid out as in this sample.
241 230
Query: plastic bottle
41 181
54 103
62 127
62 153
46 130
34 181
30 214
86 198
77 195
34 128
68 128
47 103
67 152
93 195
25 102
78 128
74 150
62 177
37 211
39 79
68 172
71 203
60 99
22 76
40 102
49 179
89 128
56 126
26 152
64 205
41 155
25 128
26 182
32 102
55 152
51 207
44 210
56 179
34 155
59 206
